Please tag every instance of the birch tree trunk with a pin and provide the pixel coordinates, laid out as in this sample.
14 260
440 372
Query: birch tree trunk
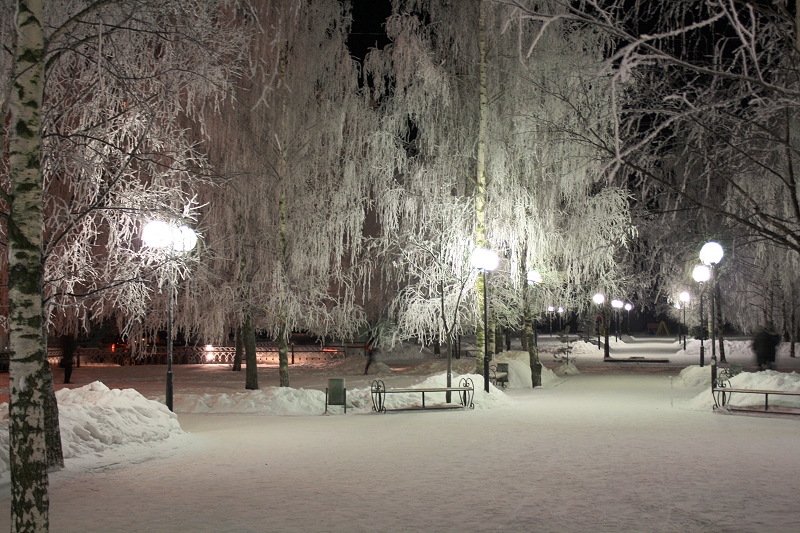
28 370
251 372
480 192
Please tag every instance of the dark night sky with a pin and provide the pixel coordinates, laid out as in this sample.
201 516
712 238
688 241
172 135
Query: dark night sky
367 31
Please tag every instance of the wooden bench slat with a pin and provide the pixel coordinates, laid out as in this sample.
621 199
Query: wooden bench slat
758 391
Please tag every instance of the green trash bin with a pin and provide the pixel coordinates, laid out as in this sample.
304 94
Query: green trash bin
336 393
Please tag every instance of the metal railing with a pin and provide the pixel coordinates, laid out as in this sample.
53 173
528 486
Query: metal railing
266 353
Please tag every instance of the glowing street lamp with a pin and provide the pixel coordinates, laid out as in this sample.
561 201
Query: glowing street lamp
181 239
599 299
711 254
486 261
701 274
628 308
684 297
617 305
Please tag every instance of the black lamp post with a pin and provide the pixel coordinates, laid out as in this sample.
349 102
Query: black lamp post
486 261
701 274
711 254
628 308
159 234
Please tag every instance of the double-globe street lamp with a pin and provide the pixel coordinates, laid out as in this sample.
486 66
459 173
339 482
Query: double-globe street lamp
711 254
701 274
178 240
486 261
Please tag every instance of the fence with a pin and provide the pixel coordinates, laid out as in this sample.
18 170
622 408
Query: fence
266 353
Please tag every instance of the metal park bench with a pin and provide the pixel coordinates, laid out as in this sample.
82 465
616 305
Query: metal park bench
498 374
722 390
465 390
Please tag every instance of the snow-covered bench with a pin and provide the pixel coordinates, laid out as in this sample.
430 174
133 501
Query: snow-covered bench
721 390
465 390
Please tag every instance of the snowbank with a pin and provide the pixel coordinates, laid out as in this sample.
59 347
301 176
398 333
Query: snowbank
289 401
94 418
766 380
519 370
696 376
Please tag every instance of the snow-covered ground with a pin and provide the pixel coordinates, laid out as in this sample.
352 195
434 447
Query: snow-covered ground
623 446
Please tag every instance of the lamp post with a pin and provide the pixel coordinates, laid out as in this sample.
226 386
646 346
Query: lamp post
628 308
485 261
159 234
560 319
711 254
701 274
684 297
617 305
550 311
599 300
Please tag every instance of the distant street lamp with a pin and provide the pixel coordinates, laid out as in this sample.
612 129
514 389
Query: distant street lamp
181 239
711 254
701 274
684 297
560 319
628 308
599 300
617 305
550 311
485 261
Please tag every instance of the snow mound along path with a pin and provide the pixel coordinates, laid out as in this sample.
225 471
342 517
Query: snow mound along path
766 380
696 376
300 402
94 418
519 370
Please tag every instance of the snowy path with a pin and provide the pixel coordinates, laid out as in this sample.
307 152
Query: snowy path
597 453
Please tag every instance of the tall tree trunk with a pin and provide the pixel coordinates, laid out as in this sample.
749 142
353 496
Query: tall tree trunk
480 187
28 371
533 350
237 356
283 357
498 339
251 371
283 349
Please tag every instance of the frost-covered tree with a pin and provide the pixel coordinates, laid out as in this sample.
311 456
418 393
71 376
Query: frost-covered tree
469 113
286 226
96 98
704 104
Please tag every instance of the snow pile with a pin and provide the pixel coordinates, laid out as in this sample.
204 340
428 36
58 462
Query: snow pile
567 369
696 376
493 399
267 401
766 380
519 370
94 418
289 401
